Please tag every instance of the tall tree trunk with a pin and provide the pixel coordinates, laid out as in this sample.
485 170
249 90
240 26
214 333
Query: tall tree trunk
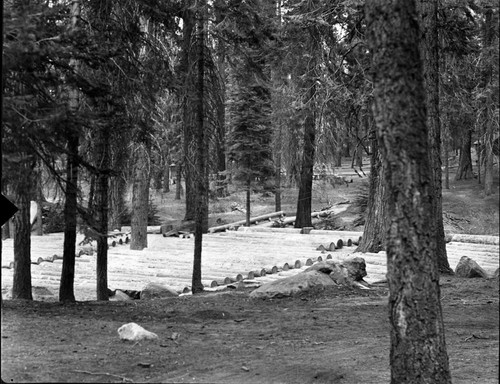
488 119
464 170
201 158
102 187
376 223
418 348
66 287
220 135
140 200
21 286
303 215
428 45
189 122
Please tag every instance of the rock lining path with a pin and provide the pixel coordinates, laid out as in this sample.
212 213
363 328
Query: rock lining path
227 256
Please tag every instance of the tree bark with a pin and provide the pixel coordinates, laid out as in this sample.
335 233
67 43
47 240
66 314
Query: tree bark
376 223
490 21
418 348
189 110
21 286
117 202
464 170
140 200
66 287
428 45
201 158
178 182
102 187
303 215
220 134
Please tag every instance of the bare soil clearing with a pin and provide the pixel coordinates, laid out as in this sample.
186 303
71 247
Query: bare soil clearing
336 335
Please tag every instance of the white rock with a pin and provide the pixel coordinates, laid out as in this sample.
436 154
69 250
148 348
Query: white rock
135 332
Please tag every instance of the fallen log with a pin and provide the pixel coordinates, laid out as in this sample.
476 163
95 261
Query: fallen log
476 239
243 222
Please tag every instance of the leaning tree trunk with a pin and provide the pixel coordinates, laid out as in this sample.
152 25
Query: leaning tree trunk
428 45
418 348
464 170
140 200
21 286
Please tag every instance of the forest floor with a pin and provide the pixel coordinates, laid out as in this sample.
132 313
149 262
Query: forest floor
337 335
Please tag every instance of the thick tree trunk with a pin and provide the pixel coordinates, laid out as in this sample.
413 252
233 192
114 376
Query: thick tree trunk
140 200
21 286
428 45
418 348
464 170
376 223
66 287
303 215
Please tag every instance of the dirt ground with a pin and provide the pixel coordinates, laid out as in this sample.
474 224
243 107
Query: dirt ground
337 335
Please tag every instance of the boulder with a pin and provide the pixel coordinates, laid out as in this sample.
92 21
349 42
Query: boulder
327 266
353 268
356 268
135 332
467 267
119 295
155 291
291 285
